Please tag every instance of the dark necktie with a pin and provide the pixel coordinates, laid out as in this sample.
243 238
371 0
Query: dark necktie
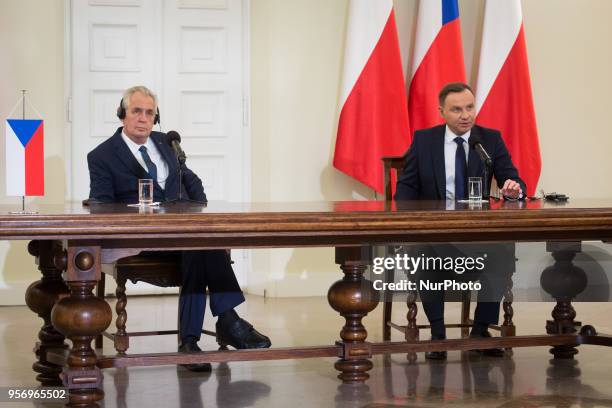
460 170
152 167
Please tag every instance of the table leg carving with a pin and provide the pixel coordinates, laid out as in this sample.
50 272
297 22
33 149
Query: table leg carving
40 297
564 281
387 306
353 297
100 292
412 331
508 328
121 339
466 297
563 315
81 317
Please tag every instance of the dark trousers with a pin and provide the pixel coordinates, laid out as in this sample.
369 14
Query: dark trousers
202 270
499 261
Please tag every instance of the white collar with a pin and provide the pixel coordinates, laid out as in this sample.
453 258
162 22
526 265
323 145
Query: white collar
135 146
449 135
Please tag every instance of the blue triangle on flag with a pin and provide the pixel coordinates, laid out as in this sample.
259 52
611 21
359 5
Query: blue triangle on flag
24 128
450 11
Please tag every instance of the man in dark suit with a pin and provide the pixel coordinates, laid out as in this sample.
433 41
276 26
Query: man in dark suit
437 166
136 152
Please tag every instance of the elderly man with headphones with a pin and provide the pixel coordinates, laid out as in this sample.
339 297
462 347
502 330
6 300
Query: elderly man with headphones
135 152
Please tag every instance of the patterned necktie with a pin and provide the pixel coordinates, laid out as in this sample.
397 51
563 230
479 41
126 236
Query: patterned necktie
460 170
152 167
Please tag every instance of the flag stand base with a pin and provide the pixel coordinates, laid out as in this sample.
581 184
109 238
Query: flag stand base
23 210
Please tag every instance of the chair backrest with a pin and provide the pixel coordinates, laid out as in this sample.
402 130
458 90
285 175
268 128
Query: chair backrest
389 163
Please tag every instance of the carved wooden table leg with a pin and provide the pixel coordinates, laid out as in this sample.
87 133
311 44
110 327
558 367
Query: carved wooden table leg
466 297
40 297
121 339
387 306
100 292
353 297
507 327
81 317
412 331
563 281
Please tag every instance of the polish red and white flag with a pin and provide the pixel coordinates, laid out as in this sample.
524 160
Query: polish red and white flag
374 115
503 90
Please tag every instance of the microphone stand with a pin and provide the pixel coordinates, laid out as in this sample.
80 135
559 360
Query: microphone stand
181 162
486 187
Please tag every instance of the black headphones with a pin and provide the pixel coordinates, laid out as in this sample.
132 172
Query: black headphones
121 113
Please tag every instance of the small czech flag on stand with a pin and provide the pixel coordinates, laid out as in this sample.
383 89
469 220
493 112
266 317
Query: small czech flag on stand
25 158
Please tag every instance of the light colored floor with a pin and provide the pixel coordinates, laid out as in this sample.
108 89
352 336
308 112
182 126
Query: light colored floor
529 378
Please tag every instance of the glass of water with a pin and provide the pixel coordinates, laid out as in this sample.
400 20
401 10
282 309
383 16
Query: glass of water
145 191
475 189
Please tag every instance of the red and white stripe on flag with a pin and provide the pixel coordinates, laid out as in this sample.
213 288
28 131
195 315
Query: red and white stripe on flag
437 60
25 157
374 116
503 90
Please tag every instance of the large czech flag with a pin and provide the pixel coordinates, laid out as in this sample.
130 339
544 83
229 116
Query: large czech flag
25 171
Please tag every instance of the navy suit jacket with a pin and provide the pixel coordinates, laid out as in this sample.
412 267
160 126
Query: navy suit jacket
114 173
424 174
424 178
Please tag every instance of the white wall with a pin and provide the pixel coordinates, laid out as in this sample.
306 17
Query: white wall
571 60
31 49
296 64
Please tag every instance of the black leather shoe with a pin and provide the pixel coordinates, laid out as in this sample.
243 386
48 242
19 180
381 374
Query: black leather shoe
240 334
436 355
192 347
492 352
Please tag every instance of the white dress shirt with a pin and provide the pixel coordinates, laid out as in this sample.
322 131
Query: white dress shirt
154 154
450 149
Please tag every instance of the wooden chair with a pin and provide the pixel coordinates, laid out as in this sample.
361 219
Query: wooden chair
161 269
411 329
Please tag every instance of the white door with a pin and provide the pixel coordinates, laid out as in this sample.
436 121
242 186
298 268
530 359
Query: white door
193 54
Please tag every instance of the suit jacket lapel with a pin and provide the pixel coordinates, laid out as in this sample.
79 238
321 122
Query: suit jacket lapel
125 155
437 153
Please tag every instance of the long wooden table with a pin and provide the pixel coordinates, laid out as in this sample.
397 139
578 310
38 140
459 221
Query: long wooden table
71 242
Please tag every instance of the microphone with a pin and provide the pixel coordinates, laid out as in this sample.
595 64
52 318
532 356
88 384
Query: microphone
174 140
476 144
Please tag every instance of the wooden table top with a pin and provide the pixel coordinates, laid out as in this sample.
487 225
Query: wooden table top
316 223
